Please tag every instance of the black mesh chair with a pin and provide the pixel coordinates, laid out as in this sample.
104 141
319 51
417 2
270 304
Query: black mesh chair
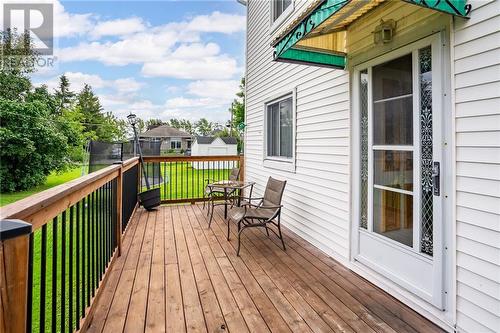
260 212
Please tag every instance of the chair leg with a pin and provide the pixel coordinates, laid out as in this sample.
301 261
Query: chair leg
228 227
281 235
239 240
267 231
211 211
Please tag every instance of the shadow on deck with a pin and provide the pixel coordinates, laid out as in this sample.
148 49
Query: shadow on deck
177 275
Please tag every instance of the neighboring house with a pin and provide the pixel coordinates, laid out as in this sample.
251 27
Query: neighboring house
384 118
171 138
214 146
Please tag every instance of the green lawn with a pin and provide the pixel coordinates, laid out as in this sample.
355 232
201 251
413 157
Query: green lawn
53 179
184 180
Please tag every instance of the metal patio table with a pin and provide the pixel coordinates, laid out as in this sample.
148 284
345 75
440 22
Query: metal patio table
229 187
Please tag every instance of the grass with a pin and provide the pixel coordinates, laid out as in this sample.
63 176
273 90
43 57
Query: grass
53 179
184 180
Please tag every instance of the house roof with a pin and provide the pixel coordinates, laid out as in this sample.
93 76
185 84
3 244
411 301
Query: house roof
164 131
206 140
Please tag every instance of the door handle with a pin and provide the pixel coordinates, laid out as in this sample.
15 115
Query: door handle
436 170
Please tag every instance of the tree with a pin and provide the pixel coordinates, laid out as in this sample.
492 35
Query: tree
31 144
175 123
204 127
64 95
187 126
237 109
17 60
153 123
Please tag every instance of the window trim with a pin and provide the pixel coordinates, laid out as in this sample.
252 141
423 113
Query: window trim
172 140
278 162
275 24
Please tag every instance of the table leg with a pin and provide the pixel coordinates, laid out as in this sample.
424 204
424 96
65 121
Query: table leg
225 203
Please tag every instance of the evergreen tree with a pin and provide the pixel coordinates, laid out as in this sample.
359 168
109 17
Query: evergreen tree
64 95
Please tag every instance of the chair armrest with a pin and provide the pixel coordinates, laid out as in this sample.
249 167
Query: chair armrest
251 199
271 207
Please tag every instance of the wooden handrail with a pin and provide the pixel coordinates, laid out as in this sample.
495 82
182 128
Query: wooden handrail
39 208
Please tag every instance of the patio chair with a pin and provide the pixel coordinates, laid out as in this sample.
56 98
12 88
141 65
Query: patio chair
213 193
260 212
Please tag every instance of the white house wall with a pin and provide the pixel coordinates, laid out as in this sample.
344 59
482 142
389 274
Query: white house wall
317 195
477 123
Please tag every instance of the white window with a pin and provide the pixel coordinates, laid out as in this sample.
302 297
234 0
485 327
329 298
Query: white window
280 10
279 128
175 143
279 7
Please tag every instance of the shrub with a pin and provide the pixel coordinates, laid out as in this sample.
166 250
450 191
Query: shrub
31 145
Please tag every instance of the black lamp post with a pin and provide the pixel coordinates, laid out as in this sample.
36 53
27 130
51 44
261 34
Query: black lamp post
151 197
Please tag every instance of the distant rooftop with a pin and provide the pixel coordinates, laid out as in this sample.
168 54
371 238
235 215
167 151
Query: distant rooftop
209 139
164 131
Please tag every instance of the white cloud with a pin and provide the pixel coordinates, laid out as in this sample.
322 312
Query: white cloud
123 86
221 89
118 27
217 22
77 80
202 68
195 50
127 85
183 102
67 24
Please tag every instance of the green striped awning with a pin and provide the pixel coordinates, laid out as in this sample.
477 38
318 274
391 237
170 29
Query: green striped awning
333 16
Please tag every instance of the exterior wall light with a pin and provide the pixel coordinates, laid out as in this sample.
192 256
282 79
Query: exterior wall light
384 32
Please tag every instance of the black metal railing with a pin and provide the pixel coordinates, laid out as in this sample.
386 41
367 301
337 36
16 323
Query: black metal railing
67 260
184 178
72 236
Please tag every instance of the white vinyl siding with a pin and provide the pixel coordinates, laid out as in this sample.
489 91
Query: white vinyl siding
477 124
316 198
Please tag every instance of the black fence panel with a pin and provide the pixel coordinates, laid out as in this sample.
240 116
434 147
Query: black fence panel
129 194
103 154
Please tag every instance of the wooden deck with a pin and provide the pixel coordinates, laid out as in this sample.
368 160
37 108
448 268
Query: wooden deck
177 275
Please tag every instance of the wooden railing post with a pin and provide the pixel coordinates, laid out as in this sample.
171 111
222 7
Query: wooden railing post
242 167
119 209
14 251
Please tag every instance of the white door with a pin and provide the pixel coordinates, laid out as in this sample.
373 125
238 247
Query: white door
397 115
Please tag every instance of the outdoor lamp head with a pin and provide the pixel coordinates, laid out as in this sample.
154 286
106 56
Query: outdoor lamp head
132 119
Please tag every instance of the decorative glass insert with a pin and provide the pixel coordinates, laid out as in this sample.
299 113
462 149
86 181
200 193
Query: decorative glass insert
363 92
425 77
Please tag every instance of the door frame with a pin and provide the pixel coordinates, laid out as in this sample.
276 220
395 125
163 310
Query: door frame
441 145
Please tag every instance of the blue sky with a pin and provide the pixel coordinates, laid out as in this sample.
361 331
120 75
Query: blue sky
158 59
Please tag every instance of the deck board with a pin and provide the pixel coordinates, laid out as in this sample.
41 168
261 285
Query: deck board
177 275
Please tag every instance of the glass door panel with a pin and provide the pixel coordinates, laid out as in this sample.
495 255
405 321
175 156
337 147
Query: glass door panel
393 215
393 169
